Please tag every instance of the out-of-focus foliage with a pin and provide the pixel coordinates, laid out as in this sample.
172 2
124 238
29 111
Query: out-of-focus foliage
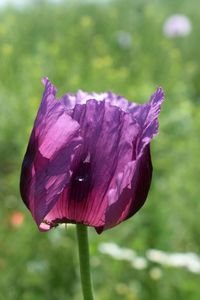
118 46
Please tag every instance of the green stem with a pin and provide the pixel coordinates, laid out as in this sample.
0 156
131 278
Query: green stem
84 257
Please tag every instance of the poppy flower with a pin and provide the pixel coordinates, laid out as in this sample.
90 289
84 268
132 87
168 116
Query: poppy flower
88 158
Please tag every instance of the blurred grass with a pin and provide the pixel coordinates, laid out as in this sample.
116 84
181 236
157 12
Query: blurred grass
76 46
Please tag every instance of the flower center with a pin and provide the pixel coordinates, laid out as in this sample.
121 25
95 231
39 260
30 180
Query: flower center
81 182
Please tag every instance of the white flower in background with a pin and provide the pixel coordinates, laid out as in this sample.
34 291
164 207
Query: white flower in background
139 263
124 39
17 3
155 273
116 252
177 25
24 3
188 260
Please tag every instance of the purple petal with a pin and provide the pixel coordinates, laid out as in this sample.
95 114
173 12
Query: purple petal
82 97
126 200
46 167
108 135
146 116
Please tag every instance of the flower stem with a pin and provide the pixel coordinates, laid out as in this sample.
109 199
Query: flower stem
84 257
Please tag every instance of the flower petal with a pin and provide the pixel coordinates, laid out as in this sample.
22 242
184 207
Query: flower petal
147 117
108 135
126 199
82 97
46 167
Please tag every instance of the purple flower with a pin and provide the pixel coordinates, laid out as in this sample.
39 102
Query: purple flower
88 158
177 25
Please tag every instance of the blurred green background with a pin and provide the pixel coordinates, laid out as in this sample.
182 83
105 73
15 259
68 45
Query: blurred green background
99 46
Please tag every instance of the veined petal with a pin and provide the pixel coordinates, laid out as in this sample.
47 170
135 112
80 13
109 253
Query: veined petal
126 199
82 97
46 167
107 148
147 117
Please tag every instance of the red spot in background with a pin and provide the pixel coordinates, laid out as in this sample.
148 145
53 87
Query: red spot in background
16 219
